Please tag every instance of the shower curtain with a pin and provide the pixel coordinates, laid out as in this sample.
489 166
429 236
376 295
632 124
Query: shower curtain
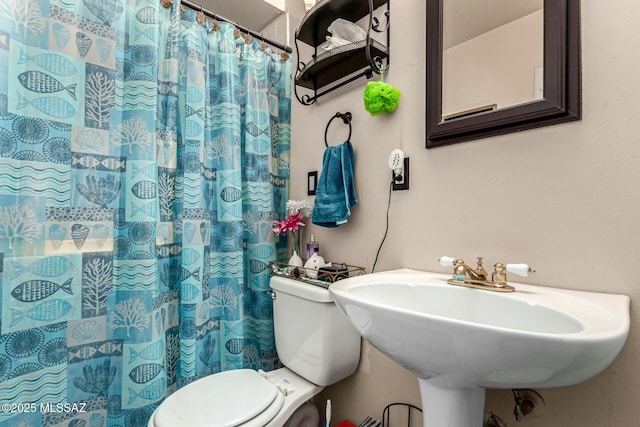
144 155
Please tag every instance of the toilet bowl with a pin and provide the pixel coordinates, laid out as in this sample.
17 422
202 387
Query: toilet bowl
315 343
242 398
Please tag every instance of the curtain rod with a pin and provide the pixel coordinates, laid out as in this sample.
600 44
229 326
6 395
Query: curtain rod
210 14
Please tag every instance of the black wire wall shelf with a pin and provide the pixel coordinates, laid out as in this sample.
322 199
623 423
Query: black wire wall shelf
337 67
338 63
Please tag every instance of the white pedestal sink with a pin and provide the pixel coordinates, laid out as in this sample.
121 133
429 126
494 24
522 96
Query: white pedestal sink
461 341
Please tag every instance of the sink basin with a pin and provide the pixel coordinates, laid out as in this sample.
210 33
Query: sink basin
460 341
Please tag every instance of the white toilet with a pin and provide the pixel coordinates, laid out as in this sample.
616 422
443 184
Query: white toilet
315 343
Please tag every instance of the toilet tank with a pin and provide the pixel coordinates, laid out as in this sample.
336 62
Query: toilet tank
313 338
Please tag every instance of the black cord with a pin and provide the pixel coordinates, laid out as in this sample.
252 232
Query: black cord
386 230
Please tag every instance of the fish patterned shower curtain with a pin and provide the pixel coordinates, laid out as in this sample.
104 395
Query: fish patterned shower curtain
143 158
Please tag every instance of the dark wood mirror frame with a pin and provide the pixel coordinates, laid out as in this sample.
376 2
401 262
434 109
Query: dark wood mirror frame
561 100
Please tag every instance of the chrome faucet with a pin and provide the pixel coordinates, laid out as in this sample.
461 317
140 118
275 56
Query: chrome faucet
463 275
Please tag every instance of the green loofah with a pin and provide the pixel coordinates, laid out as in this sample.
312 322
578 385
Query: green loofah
380 97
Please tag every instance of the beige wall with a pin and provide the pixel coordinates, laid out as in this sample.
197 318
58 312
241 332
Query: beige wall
563 198
278 30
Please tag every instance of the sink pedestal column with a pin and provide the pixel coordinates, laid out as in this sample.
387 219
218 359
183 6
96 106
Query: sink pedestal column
451 407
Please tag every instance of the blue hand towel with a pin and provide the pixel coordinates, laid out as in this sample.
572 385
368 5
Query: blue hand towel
336 192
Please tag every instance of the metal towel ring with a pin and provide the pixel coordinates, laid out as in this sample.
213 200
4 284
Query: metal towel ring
346 118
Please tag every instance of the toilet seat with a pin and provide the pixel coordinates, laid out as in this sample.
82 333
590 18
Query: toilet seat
233 398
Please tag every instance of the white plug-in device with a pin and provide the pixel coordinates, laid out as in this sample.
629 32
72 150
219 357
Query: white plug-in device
396 163
399 164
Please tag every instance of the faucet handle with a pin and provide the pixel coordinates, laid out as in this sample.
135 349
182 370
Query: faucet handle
520 269
446 261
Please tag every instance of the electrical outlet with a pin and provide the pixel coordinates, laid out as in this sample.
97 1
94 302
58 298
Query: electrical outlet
402 184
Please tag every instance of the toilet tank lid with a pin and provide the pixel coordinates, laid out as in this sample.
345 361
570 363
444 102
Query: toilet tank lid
226 399
300 289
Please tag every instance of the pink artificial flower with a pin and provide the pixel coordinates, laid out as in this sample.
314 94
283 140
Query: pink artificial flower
290 223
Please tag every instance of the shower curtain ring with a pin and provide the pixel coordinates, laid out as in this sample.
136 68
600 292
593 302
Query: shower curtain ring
200 17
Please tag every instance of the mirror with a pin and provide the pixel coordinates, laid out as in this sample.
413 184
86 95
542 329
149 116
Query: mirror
490 60
491 72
